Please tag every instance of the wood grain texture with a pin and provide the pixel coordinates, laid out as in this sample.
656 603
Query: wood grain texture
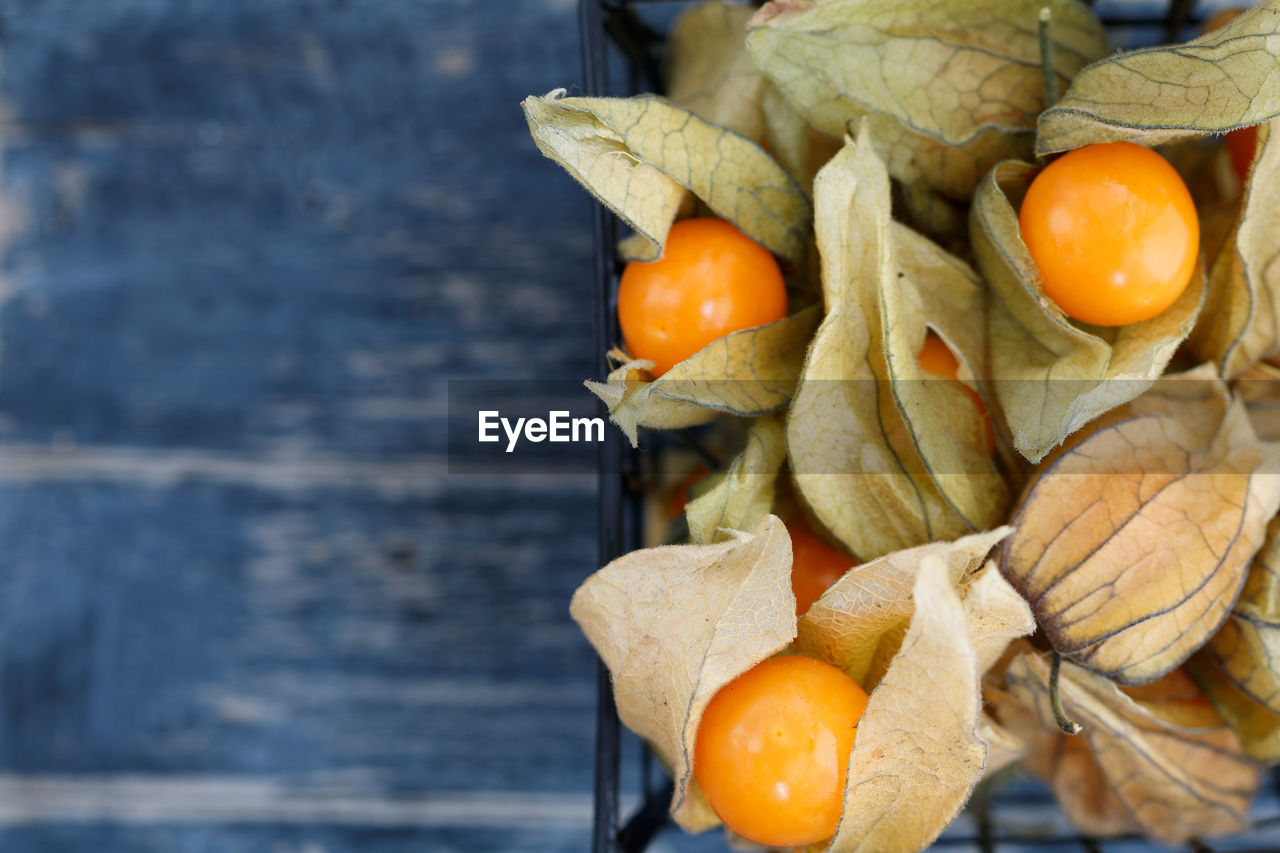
243 245
242 607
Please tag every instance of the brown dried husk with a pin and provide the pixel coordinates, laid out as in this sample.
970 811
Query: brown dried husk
1133 543
638 155
747 373
1241 321
1222 80
948 90
1239 669
884 457
1053 376
674 624
1155 760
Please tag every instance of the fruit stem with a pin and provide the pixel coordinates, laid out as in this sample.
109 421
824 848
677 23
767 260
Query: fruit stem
1046 61
1068 725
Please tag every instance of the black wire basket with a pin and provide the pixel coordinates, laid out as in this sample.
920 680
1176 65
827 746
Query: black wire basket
622 47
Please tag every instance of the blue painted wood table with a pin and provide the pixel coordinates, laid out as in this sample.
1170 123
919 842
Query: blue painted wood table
242 607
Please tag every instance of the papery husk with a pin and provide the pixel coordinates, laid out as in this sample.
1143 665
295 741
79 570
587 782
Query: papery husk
743 493
798 147
1239 669
747 373
635 246
1053 376
1067 765
948 90
1259 388
1241 321
709 71
1133 543
1157 762
997 614
1004 748
920 748
1257 726
883 458
637 156
949 300
1226 78
676 623
859 622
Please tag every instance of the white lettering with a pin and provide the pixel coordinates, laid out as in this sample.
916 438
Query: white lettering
587 425
513 435
488 422
559 426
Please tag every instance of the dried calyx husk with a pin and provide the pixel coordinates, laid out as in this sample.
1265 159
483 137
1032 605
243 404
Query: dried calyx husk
638 156
1220 81
1053 376
948 89
921 747
676 623
747 373
1239 669
859 623
1223 80
710 72
1241 322
885 457
1139 541
1259 388
821 64
744 492
1134 541
1156 760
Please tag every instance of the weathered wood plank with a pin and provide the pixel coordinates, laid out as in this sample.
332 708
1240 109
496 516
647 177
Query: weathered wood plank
232 630
244 245
73 838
